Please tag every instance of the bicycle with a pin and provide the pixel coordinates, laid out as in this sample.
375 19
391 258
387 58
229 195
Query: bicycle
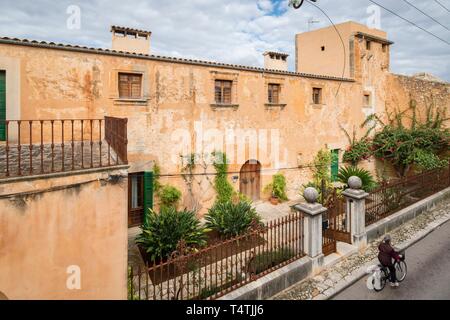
380 274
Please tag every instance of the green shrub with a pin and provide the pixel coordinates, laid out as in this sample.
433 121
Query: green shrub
428 161
357 151
230 219
162 232
169 196
278 187
368 181
266 260
240 197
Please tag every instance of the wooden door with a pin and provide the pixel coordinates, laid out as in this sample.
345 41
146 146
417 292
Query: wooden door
250 179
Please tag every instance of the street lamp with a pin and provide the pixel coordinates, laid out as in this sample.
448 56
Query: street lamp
298 3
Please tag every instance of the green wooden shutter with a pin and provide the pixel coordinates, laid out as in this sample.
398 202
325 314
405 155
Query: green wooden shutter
2 105
148 193
334 164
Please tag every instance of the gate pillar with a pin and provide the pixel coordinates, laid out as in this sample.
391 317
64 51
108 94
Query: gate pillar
356 211
312 211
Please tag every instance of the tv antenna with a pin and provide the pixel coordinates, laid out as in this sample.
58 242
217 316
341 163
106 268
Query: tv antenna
311 21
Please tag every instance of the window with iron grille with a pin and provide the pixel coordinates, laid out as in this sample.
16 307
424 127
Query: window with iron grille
317 95
130 85
223 91
274 93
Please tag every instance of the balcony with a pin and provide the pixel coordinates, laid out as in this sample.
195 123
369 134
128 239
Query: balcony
37 147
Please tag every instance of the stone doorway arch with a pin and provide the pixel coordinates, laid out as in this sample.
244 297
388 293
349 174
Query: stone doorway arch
250 179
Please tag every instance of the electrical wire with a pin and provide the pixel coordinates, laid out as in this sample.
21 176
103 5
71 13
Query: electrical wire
231 172
425 14
410 22
442 5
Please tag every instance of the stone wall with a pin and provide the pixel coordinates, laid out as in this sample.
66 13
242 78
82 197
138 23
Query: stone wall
401 90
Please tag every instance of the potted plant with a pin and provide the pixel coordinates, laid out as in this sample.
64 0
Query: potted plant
277 189
274 199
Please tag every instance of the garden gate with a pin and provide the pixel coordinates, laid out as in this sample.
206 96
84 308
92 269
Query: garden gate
335 223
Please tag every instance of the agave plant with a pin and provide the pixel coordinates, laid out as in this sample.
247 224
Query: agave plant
368 181
162 232
231 219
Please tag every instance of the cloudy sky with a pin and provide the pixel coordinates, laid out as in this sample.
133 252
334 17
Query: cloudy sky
233 31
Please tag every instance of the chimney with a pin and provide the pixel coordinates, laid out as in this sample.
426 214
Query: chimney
130 40
275 60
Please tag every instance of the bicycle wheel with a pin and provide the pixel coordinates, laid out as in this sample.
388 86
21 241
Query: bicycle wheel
382 282
400 270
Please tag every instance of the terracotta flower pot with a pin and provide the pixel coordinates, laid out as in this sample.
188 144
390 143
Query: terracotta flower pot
274 200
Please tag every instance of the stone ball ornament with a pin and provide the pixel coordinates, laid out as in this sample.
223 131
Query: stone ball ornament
311 195
355 182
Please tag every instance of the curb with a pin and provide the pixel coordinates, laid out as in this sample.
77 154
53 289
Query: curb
362 271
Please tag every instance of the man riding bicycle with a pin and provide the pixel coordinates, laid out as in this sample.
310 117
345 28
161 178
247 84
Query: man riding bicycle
385 256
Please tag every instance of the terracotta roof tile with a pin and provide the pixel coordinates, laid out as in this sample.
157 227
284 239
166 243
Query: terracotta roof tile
60 46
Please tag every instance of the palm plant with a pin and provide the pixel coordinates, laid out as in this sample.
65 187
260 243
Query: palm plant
368 181
231 219
162 232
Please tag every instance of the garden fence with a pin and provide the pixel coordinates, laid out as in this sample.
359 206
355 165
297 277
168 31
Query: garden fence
222 267
395 195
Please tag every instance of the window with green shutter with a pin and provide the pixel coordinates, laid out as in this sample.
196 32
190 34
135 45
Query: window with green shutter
334 164
2 105
148 193
140 197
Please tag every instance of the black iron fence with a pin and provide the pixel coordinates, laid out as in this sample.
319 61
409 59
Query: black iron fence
33 147
222 267
398 194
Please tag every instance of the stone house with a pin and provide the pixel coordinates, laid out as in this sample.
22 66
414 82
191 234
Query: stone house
267 119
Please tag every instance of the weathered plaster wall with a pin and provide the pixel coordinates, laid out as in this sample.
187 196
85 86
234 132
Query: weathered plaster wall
177 106
81 221
404 89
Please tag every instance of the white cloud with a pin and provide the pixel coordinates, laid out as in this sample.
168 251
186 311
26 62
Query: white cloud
233 31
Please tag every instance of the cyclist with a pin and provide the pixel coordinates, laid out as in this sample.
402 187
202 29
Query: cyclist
385 256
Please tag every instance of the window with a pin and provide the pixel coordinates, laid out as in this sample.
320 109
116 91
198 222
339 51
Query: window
130 85
317 95
384 47
323 48
368 44
223 91
274 93
135 198
367 101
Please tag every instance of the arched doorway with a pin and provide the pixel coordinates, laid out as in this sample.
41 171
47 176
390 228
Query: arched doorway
250 182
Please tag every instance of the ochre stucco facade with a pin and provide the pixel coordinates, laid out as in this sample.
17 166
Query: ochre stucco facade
177 114
64 237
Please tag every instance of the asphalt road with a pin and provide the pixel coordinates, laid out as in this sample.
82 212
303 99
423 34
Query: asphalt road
428 273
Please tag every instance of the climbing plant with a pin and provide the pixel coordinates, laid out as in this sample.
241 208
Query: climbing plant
223 187
156 175
406 139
